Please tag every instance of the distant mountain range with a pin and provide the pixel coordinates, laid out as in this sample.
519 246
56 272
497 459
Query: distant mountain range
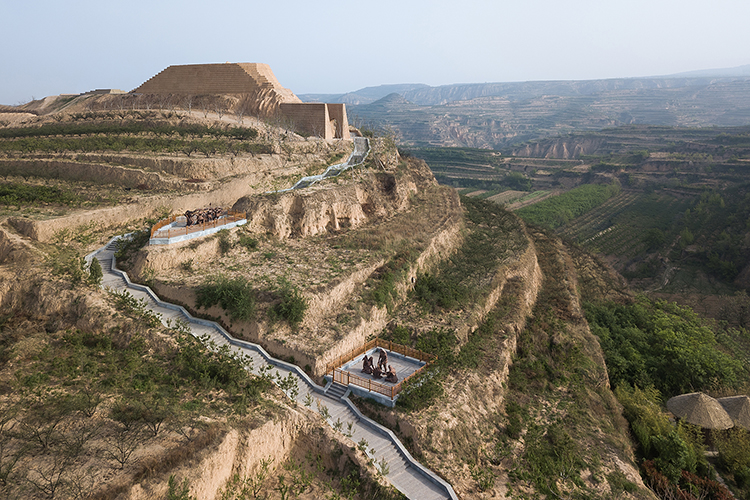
426 95
499 115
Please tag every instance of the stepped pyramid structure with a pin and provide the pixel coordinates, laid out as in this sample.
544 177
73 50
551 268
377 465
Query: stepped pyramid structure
256 80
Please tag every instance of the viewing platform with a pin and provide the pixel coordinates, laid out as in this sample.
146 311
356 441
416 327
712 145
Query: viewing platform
407 363
175 228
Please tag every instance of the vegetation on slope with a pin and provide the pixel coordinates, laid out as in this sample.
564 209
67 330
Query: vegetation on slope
118 386
655 350
662 345
558 210
560 416
494 235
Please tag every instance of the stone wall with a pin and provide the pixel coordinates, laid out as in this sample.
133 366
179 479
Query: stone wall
327 121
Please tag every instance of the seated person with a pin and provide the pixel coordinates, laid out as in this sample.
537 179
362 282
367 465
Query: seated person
366 364
376 373
391 376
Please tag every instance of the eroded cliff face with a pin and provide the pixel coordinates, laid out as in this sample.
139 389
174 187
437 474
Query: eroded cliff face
564 149
239 451
321 209
293 441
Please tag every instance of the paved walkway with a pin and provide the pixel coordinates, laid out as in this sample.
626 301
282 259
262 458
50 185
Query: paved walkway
404 472
361 150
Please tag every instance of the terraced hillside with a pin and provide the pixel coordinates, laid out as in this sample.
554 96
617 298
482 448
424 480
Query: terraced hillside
380 250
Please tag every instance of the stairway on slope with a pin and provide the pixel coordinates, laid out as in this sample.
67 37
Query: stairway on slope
336 390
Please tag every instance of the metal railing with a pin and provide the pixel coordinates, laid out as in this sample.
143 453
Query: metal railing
230 217
344 377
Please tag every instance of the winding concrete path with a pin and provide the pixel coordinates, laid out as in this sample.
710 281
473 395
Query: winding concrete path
331 402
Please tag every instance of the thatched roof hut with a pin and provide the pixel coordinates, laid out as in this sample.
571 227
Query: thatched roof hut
738 408
700 409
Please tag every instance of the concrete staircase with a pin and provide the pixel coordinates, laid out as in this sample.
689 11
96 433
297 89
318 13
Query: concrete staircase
336 390
389 455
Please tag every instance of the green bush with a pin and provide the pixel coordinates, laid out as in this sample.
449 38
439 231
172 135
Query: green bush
224 244
248 242
128 246
236 296
642 408
420 392
660 344
435 294
734 449
291 306
672 449
95 272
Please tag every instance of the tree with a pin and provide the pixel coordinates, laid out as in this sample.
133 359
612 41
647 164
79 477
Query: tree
243 107
10 450
95 272
219 107
44 420
736 310
49 478
188 101
654 238
122 445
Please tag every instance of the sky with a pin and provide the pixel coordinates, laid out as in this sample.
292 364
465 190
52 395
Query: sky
331 46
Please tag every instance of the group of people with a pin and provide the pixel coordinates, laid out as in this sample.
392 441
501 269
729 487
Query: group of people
203 215
379 371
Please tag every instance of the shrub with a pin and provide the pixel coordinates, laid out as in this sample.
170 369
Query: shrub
734 449
128 246
224 244
248 242
291 307
95 272
660 344
420 392
236 296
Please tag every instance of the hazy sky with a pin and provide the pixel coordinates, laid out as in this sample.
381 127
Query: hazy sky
52 47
